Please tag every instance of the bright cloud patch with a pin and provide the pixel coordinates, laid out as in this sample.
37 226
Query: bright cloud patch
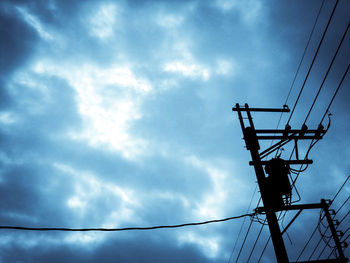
224 67
103 20
35 23
108 100
169 21
188 69
249 10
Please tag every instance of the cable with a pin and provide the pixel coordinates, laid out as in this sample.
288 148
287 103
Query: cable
343 204
302 58
122 229
346 180
246 235
341 221
245 238
256 241
313 233
329 68
344 240
263 251
313 60
346 230
307 243
312 144
300 63
240 230
335 93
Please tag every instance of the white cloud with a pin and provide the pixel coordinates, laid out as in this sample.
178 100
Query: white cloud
248 9
88 188
225 67
188 69
108 100
169 20
102 22
209 244
212 204
7 118
35 23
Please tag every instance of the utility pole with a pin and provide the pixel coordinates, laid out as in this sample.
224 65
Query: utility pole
276 189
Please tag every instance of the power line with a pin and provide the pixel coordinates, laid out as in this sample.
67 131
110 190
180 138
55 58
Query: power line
341 221
263 251
256 240
343 204
313 233
245 238
300 63
335 93
333 250
240 230
329 68
302 58
313 60
122 229
341 188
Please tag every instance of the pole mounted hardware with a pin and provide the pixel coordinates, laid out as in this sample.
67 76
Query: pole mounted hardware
275 188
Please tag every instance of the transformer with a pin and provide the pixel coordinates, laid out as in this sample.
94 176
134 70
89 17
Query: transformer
277 183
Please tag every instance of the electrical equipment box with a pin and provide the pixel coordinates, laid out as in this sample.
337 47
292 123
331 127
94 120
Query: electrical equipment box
277 182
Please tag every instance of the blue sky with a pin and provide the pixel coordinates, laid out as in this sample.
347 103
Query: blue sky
118 113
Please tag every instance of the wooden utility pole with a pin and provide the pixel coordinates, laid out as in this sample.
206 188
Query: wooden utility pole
274 199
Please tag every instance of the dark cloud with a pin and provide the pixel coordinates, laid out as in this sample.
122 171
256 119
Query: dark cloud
192 138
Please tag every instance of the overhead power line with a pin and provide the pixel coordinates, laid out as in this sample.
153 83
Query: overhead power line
313 60
329 68
122 229
304 52
313 233
301 62
336 92
240 230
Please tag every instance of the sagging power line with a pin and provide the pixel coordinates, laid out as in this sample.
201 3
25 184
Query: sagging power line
122 229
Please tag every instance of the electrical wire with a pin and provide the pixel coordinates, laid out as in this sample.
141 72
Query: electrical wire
256 241
304 52
341 221
347 199
343 241
263 251
300 63
244 240
336 92
240 230
328 70
122 229
248 230
313 233
313 60
341 188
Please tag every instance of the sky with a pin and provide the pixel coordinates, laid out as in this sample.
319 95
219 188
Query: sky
118 113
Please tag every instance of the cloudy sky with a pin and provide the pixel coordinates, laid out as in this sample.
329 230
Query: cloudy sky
118 114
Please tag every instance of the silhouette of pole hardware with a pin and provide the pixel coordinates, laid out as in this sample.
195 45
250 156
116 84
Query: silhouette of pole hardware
275 188
252 144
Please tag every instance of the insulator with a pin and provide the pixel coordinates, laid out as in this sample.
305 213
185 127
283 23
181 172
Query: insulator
320 129
336 222
344 244
340 233
332 212
303 130
286 130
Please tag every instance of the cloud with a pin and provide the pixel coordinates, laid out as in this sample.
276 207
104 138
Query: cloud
188 70
107 100
102 22
34 22
118 113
